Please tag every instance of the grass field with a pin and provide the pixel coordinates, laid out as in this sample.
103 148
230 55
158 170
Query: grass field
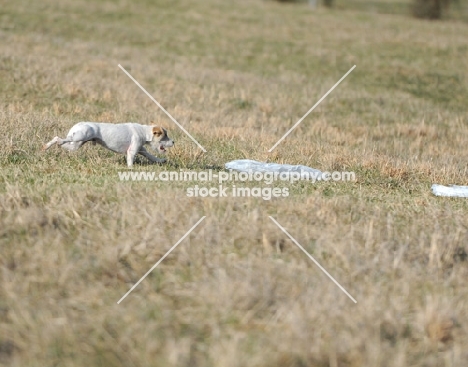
236 292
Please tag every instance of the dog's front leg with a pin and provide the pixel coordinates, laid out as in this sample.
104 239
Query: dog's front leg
131 153
151 157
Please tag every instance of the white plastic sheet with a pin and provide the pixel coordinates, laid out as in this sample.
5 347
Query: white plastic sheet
248 165
452 190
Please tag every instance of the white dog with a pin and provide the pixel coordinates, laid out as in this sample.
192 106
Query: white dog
127 138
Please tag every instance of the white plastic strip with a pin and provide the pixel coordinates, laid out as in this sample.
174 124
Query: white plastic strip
452 190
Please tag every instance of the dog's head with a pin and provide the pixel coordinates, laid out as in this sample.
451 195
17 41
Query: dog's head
160 139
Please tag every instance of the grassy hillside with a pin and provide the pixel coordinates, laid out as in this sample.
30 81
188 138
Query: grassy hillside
236 292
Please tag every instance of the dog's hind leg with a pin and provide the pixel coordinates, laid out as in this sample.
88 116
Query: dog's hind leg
77 136
67 143
58 141
50 143
72 145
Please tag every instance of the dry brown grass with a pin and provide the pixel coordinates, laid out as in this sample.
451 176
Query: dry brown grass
236 292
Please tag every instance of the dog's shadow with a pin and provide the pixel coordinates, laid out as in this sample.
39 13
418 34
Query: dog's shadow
200 167
168 165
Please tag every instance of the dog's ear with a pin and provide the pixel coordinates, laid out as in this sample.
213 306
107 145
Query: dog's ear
157 131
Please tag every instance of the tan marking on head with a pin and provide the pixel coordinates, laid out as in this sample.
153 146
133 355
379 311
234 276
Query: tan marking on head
158 131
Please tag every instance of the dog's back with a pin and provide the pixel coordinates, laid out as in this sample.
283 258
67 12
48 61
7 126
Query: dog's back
116 137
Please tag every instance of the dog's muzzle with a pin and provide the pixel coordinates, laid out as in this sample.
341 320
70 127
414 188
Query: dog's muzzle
165 144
